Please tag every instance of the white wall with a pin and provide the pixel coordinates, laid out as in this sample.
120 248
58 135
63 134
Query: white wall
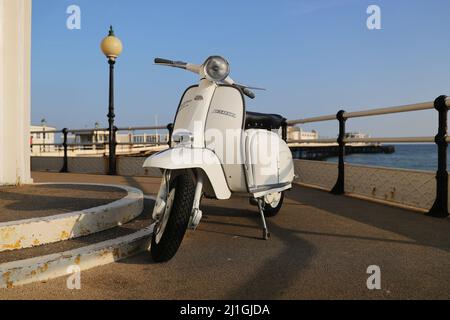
15 60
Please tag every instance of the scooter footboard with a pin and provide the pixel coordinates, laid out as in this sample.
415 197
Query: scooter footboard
190 158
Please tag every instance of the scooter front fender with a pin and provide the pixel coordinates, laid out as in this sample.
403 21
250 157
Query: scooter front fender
189 158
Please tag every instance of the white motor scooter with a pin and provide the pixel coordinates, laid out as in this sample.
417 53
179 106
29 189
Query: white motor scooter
217 149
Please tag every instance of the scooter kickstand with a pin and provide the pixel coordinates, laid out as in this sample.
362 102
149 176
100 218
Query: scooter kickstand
266 233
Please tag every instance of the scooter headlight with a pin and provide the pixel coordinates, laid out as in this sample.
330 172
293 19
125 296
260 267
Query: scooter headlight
217 68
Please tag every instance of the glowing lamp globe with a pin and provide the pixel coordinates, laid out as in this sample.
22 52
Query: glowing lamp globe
111 46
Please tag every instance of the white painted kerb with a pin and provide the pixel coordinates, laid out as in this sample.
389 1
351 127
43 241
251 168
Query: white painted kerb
38 231
48 267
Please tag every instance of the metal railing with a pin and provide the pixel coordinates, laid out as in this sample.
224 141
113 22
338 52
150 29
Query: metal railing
441 104
65 145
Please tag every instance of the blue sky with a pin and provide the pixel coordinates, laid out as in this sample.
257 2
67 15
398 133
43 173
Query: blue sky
315 57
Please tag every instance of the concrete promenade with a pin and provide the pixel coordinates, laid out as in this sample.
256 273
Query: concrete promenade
321 248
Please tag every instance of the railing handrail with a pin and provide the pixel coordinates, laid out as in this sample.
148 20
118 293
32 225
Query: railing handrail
318 141
390 110
391 140
142 128
371 112
312 120
369 140
93 130
46 131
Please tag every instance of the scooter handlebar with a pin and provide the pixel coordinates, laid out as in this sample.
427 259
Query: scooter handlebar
170 63
197 68
163 61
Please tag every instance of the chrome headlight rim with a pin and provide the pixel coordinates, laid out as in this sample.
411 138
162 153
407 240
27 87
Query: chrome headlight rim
217 62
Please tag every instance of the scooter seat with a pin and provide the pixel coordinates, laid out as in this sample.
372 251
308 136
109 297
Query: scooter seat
254 120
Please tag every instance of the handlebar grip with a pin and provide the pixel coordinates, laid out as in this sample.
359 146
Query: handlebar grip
163 61
249 93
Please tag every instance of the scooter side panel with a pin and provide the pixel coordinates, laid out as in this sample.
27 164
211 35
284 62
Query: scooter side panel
286 164
262 158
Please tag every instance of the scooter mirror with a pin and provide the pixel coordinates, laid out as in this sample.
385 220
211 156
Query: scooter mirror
249 93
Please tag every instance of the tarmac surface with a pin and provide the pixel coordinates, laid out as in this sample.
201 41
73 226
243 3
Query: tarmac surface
321 248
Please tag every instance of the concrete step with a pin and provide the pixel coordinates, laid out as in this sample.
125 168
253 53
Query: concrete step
53 260
47 229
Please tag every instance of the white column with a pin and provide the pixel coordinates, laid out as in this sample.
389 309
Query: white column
15 61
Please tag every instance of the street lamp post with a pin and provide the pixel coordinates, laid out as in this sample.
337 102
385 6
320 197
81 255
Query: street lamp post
112 48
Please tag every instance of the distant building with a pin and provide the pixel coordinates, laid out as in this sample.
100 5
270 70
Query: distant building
150 138
102 137
90 141
42 139
297 133
356 135
96 137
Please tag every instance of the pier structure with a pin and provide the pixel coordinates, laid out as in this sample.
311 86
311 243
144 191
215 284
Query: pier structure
319 152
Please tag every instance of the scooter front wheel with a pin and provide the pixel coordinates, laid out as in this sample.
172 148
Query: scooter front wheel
273 203
171 228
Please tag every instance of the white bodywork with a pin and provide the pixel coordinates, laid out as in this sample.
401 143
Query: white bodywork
193 111
210 145
211 119
268 162
209 137
188 158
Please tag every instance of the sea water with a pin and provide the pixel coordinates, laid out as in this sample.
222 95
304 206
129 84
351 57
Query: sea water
406 156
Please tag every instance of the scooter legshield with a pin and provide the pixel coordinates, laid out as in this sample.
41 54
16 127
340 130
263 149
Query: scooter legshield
193 158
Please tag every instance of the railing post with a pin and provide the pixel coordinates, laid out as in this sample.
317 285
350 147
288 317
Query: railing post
112 150
170 128
65 167
339 188
284 131
440 207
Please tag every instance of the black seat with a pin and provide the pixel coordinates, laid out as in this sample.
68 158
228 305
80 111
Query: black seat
254 120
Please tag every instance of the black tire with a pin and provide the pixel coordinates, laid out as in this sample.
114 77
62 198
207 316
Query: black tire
178 221
272 212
